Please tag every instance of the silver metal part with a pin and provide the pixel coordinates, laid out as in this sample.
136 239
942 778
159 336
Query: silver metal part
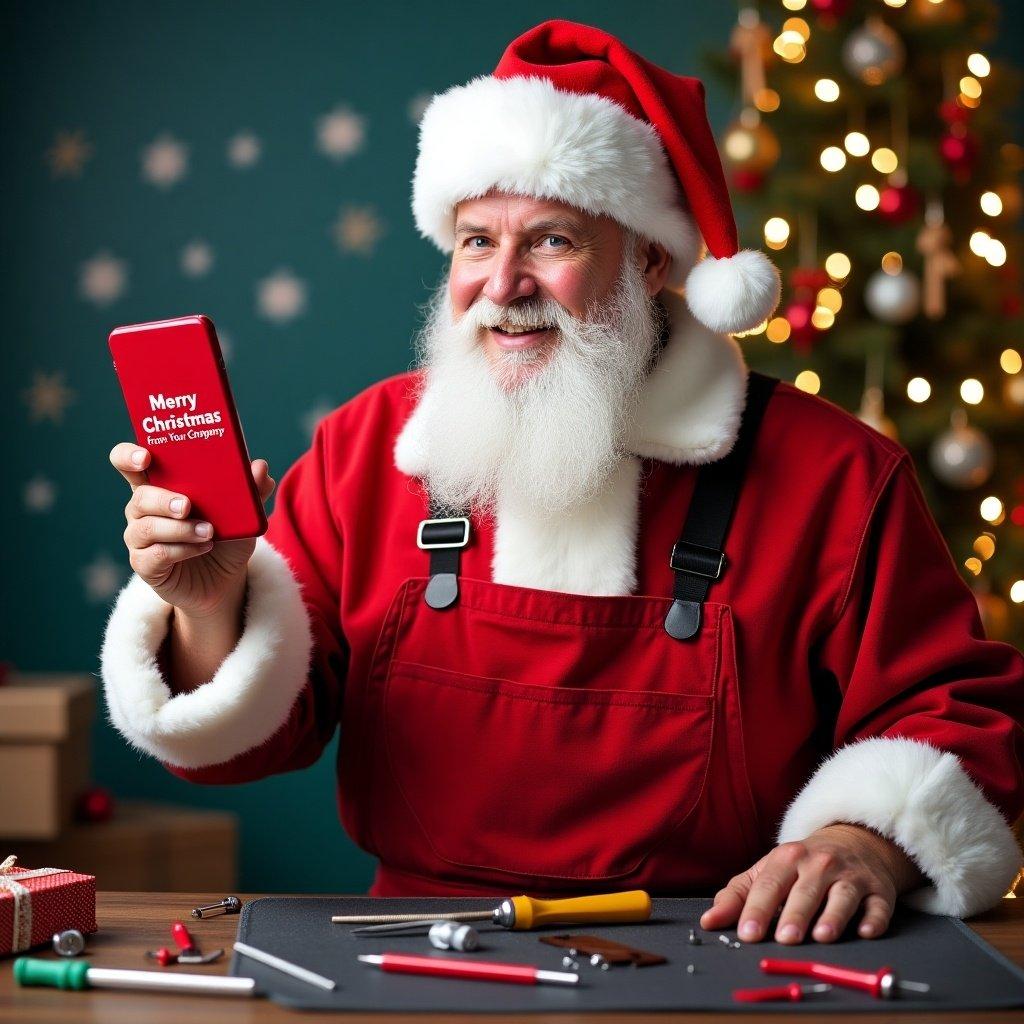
505 914
570 963
558 977
693 938
285 967
724 939
228 905
690 969
598 960
453 935
913 986
462 915
70 942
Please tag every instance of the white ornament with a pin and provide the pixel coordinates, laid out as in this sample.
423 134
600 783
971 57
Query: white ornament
962 457
874 52
893 298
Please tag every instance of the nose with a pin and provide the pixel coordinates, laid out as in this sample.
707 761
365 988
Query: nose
509 278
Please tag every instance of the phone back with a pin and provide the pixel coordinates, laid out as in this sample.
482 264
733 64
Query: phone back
176 388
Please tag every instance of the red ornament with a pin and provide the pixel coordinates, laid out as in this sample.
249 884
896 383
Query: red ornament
803 333
959 150
95 804
898 203
830 10
748 180
811 279
1017 515
954 113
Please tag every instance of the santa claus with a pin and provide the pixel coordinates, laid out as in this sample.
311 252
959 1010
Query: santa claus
595 606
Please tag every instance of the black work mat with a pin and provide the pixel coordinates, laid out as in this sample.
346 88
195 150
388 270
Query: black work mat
965 972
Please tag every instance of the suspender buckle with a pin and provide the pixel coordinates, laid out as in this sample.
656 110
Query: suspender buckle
434 534
696 559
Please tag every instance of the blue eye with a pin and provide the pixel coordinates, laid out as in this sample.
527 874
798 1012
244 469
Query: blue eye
559 237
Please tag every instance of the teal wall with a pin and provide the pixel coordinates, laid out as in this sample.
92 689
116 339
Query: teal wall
124 74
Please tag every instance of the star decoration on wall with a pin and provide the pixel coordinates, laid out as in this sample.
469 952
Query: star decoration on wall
48 396
165 161
39 494
68 154
102 578
102 278
196 258
357 229
281 296
340 133
244 150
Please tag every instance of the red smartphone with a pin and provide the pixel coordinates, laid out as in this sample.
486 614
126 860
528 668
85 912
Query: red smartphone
176 388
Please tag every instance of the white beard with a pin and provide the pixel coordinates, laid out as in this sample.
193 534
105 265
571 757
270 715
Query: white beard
550 441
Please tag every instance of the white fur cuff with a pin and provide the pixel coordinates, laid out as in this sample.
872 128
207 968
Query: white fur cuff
249 696
922 799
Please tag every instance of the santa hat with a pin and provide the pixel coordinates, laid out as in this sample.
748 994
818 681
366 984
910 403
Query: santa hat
572 114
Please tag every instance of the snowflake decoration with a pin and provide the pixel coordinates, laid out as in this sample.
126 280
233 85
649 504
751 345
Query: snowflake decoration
102 578
244 150
311 417
418 106
196 258
281 297
102 279
48 397
165 161
357 229
68 154
39 494
340 133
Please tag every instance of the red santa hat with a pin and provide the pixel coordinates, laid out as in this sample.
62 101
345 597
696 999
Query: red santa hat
570 113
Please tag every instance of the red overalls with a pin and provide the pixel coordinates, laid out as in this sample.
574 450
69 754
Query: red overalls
512 737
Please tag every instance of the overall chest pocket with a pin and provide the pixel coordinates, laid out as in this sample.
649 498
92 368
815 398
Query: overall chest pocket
539 734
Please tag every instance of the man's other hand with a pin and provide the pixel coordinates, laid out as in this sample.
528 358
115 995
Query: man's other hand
841 867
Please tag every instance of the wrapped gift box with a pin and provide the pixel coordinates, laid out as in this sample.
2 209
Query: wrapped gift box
45 722
37 902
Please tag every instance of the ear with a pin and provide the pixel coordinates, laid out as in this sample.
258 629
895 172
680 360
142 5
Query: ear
656 263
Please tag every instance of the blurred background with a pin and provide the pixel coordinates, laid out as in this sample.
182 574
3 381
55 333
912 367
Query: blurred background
252 161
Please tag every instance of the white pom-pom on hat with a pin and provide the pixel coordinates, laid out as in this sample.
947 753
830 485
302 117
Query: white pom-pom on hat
735 293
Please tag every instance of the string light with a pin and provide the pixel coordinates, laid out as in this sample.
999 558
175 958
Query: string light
838 266
970 87
991 204
991 510
830 299
896 3
776 232
867 197
799 26
809 381
857 144
1017 592
826 90
766 100
789 45
759 329
892 263
823 318
778 330
985 546
978 65
794 5
919 390
833 159
995 253
973 565
972 391
1010 360
884 160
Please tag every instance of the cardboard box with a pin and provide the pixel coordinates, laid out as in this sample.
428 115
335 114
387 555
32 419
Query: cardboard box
149 847
45 748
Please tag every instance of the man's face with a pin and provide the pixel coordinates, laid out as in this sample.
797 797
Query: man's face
521 254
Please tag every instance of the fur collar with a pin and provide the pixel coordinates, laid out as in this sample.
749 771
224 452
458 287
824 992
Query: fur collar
689 415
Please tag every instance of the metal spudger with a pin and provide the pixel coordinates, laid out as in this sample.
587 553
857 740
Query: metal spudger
288 968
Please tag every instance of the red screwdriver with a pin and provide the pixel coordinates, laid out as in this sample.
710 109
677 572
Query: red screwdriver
456 967
791 992
882 984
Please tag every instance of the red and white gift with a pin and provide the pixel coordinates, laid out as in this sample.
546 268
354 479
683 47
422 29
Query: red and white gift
37 903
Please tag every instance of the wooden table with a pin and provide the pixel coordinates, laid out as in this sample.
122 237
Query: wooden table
132 922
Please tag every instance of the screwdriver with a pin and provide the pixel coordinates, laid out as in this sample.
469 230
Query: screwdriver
882 984
521 913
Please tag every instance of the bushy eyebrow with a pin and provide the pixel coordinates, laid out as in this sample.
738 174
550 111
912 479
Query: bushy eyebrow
551 224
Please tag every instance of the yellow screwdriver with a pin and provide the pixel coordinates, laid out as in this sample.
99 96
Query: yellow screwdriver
520 913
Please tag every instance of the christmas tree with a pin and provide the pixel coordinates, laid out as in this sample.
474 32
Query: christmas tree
869 151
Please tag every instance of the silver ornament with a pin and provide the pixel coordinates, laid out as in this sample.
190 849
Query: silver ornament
962 457
874 52
893 298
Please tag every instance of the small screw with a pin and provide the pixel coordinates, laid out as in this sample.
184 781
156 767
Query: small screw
690 969
597 960
694 939
69 943
573 951
228 905
724 939
570 963
735 945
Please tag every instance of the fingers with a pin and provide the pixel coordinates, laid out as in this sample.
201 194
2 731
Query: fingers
147 530
728 902
815 875
770 890
147 500
844 897
130 460
877 915
265 483
156 560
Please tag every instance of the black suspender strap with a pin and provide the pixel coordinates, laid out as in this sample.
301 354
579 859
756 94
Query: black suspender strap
697 557
444 536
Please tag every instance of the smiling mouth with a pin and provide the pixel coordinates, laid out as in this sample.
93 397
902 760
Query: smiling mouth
521 331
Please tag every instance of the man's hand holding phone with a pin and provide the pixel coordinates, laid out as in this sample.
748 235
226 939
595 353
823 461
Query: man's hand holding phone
203 578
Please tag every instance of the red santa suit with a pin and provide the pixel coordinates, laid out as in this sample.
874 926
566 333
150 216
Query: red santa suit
545 733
